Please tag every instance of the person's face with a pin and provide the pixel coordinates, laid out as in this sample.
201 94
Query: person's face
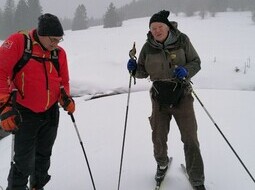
50 42
159 31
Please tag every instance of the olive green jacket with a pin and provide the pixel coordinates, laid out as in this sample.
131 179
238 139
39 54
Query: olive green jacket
158 61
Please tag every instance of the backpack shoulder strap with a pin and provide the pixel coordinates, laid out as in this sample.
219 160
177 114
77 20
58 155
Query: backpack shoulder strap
26 54
54 59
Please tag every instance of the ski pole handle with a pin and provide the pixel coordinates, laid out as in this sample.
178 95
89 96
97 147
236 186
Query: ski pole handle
132 52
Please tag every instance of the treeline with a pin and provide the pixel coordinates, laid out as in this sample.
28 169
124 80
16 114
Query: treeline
24 17
144 8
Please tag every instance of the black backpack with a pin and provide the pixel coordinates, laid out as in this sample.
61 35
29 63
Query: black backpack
27 54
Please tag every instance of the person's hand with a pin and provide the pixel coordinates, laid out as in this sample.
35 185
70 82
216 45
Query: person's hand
67 102
180 72
132 66
10 119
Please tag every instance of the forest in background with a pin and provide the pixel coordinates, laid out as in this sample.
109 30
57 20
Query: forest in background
24 15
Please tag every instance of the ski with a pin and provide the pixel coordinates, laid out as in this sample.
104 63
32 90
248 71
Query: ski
159 181
184 170
186 174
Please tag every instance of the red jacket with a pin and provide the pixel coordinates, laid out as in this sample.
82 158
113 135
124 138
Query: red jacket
38 85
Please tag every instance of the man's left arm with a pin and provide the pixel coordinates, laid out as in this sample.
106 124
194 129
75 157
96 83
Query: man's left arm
193 62
66 101
64 71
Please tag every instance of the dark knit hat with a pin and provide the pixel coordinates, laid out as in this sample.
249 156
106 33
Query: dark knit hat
49 25
161 16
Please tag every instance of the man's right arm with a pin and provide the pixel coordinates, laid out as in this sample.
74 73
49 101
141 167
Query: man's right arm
10 52
141 71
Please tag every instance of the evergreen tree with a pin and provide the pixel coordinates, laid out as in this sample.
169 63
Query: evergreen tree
1 16
236 5
253 16
21 17
66 23
1 23
111 18
80 21
202 8
217 6
190 7
7 22
95 21
252 8
34 11
176 8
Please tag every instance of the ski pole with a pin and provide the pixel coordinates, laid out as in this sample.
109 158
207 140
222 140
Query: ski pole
132 53
125 129
13 100
12 149
240 160
83 149
79 137
12 159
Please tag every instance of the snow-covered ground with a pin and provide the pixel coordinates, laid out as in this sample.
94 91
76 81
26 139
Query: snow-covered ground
97 61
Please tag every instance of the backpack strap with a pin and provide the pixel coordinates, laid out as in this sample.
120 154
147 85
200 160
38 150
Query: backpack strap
26 55
54 59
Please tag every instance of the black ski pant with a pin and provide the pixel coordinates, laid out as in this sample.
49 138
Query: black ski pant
184 116
33 148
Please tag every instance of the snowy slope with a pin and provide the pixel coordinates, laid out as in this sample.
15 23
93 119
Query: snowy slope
98 59
102 130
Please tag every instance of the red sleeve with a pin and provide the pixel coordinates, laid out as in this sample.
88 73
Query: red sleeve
10 52
63 70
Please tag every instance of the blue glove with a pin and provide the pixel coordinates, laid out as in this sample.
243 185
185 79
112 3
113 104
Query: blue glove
180 72
131 65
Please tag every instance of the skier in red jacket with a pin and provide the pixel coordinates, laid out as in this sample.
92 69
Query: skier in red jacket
34 114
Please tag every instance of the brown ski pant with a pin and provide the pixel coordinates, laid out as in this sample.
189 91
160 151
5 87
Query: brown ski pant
184 116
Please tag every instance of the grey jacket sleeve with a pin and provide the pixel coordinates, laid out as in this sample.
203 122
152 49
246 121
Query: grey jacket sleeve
141 71
193 64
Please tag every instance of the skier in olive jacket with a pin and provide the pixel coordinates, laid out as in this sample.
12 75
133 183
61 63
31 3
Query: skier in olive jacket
168 55
34 117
